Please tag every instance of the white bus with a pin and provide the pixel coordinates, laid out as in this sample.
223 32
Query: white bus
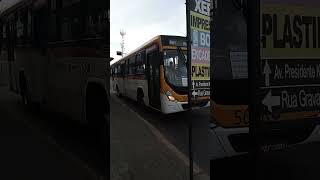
155 75
58 56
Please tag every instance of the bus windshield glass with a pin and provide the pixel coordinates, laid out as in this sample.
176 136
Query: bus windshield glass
175 67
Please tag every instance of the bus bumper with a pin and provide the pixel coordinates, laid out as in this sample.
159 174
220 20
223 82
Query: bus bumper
235 141
169 107
223 135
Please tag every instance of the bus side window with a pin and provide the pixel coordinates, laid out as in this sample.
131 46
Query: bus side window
123 69
137 57
133 65
113 72
140 63
144 61
19 33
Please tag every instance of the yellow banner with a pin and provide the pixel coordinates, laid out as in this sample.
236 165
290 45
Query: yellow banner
290 32
199 22
200 72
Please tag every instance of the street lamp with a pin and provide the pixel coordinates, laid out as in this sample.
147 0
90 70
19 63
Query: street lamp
119 53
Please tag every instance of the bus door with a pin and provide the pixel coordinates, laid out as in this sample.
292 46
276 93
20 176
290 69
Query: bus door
153 74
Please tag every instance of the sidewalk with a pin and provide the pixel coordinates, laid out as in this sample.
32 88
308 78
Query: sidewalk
136 154
26 154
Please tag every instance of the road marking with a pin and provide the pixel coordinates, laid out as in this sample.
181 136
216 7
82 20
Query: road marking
196 169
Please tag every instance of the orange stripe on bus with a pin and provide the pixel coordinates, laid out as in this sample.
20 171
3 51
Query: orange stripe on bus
228 116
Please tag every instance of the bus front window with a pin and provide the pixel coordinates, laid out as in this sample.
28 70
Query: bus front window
175 68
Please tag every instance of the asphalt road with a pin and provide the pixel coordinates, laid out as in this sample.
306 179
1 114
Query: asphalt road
298 162
43 145
174 128
137 153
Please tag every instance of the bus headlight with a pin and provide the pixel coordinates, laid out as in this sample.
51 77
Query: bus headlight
170 97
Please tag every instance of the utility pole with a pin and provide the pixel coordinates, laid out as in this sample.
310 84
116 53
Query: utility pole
122 33
189 88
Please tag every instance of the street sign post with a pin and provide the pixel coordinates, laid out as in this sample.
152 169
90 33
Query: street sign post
199 48
198 42
253 47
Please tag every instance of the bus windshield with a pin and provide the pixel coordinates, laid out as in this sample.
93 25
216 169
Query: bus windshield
175 67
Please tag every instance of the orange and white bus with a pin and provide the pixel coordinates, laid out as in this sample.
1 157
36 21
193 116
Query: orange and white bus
57 54
155 75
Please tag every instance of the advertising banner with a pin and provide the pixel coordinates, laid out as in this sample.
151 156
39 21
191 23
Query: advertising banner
199 47
290 56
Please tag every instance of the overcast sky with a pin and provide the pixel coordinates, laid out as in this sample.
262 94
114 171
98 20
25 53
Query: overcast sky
143 20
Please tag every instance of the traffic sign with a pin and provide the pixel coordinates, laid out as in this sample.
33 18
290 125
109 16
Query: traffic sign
198 42
290 57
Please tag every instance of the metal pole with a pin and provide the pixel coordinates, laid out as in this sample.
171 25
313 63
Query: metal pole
253 38
189 89
190 150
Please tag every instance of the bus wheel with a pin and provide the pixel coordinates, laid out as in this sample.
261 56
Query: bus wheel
140 100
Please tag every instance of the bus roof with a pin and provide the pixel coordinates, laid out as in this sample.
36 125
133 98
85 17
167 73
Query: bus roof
158 37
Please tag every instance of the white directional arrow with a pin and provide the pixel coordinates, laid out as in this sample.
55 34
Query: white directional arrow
271 101
267 72
194 93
